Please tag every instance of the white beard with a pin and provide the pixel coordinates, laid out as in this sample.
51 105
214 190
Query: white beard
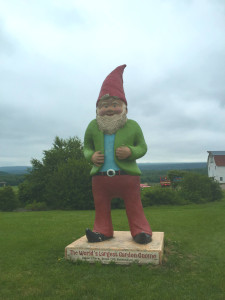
110 124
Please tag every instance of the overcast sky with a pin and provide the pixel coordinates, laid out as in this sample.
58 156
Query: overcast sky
55 55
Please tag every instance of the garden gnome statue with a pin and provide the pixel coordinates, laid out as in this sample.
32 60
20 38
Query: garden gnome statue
112 143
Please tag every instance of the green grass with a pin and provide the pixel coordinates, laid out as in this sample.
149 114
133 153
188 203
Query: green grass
32 264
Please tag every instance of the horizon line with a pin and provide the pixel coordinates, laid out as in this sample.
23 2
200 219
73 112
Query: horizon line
147 162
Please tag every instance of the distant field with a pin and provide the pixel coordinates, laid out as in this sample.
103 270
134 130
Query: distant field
32 264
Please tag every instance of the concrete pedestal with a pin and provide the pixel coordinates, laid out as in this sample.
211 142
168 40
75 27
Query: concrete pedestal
121 249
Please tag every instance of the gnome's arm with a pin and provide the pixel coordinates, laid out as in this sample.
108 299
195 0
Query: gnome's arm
139 148
89 149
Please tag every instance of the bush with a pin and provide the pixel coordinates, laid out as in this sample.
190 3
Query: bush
161 196
194 188
217 193
8 199
36 206
198 188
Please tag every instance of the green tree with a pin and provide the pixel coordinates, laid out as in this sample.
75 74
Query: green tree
200 188
61 179
8 199
176 176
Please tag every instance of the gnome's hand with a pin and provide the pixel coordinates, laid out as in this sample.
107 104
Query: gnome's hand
98 159
123 152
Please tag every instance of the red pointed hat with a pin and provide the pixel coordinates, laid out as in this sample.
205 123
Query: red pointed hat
113 85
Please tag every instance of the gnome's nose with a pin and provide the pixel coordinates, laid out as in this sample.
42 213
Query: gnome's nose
109 112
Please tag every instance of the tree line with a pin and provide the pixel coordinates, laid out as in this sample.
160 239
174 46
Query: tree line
153 176
61 180
11 179
191 187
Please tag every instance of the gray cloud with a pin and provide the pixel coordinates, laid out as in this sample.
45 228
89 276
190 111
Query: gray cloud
55 56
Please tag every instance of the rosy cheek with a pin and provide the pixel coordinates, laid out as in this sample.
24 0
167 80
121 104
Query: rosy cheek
118 110
101 112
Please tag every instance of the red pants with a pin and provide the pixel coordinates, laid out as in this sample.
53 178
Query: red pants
127 187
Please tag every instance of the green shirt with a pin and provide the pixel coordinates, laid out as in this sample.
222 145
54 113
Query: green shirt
130 136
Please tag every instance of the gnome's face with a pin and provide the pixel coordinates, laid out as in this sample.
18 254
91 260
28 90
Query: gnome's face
110 107
111 115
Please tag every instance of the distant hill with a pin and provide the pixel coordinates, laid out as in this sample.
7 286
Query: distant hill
15 170
171 166
142 166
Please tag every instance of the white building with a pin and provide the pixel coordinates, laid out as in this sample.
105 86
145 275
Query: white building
216 165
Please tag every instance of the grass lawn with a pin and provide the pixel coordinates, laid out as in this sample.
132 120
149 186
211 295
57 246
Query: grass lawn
32 264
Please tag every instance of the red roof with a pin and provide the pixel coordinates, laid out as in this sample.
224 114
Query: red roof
220 160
